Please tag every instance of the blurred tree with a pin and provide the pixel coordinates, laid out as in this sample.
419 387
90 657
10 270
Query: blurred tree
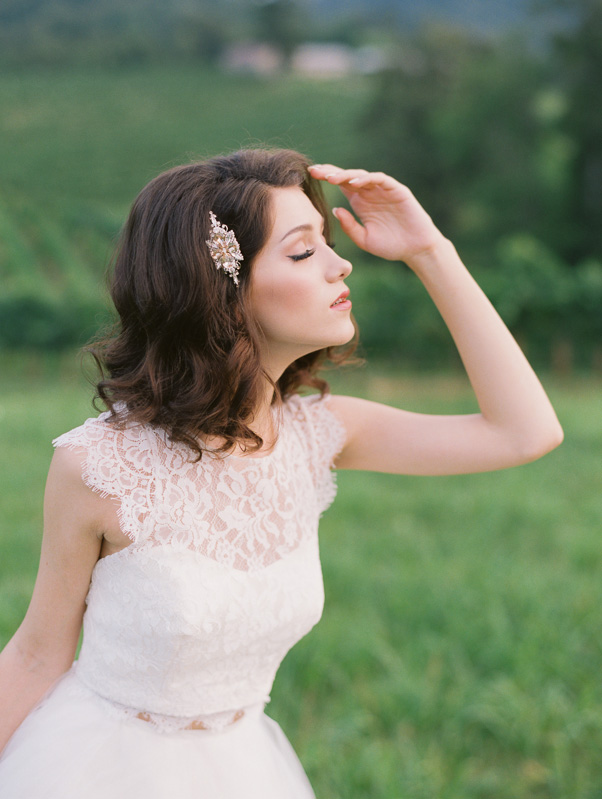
202 33
586 318
110 31
400 122
349 28
459 120
578 71
535 294
509 164
282 24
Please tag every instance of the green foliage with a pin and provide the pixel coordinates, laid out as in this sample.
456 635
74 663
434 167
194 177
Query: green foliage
577 68
468 125
503 148
547 305
552 310
111 32
51 295
497 139
281 24
396 318
30 323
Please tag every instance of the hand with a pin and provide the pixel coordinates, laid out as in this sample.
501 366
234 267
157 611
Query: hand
393 223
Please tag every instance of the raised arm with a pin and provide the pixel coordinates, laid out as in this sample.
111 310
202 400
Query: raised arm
516 422
44 646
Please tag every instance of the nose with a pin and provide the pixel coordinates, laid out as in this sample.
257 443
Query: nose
339 268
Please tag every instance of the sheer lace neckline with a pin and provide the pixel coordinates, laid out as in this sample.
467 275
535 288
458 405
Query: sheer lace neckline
278 430
242 511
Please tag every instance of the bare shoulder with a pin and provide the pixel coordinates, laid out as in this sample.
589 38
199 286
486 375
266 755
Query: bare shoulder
367 426
348 407
66 467
358 414
71 507
66 490
76 472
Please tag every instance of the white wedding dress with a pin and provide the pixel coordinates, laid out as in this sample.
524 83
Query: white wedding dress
185 628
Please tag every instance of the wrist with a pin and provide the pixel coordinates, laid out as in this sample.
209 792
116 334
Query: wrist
430 259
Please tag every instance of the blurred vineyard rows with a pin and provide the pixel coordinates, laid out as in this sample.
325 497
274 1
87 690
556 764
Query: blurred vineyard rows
75 149
76 146
51 274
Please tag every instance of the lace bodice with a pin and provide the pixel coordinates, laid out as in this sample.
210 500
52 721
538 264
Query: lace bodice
191 621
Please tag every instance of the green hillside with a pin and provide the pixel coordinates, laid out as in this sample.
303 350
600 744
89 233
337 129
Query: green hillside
77 146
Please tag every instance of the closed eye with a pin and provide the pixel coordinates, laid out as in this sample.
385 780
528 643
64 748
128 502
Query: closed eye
303 255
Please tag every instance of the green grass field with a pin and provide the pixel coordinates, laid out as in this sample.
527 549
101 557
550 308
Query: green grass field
459 655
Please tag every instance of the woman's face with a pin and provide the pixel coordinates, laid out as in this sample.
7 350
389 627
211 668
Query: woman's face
297 294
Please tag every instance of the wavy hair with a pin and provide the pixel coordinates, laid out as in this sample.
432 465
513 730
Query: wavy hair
184 354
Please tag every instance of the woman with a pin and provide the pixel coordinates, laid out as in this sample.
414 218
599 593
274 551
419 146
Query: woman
186 516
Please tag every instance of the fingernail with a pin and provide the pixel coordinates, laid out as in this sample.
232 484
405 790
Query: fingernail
335 211
353 180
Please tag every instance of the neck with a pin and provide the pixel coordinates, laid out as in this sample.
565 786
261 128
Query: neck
275 364
262 422
276 360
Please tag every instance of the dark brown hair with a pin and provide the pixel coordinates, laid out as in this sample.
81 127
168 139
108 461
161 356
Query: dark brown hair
184 355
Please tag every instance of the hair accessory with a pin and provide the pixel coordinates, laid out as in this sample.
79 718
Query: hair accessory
224 248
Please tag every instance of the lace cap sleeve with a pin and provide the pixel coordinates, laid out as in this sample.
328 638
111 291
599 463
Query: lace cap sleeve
118 462
326 438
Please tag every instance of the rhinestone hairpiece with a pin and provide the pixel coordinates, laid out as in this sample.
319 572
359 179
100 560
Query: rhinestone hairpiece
224 248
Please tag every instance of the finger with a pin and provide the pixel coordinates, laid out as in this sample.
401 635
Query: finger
327 167
357 180
350 226
373 179
345 176
334 174
320 171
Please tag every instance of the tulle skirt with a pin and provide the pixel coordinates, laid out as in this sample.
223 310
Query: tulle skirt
70 747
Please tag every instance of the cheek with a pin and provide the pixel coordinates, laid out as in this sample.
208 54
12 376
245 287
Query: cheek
279 301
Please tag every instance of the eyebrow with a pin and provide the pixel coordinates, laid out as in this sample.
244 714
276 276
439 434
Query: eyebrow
296 230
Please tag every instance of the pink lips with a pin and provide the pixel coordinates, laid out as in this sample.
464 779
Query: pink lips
342 302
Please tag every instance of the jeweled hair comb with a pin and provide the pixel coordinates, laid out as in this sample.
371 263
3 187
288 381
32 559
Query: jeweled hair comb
224 249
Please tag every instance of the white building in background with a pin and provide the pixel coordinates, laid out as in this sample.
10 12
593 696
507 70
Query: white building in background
253 58
331 60
323 60
327 60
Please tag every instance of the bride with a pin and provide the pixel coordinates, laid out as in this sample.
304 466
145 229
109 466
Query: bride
181 524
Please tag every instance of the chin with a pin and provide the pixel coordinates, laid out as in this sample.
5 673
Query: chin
336 341
346 336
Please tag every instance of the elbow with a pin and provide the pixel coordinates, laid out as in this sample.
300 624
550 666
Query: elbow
559 436
533 446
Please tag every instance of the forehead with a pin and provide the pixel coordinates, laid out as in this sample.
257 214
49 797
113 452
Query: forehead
291 207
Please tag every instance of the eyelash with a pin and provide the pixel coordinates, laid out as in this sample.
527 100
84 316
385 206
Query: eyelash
306 254
303 256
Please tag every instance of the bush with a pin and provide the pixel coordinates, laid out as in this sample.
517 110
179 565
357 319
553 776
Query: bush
28 322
